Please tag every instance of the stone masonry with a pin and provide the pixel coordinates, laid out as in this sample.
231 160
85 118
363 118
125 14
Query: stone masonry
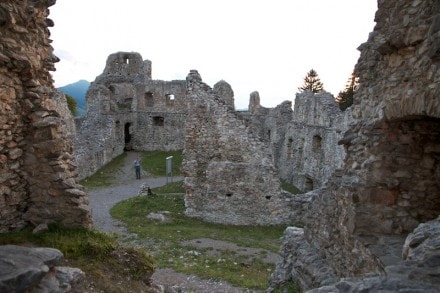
304 141
389 183
126 110
310 152
37 175
229 173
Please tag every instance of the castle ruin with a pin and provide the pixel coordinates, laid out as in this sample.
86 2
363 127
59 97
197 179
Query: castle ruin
357 223
127 110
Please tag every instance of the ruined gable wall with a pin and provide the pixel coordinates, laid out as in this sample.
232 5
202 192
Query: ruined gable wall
389 182
37 176
229 173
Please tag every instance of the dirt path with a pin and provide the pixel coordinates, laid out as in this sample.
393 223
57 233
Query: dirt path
101 201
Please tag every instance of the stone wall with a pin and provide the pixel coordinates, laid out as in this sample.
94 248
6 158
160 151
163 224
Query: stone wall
229 172
310 152
389 183
304 141
127 110
37 176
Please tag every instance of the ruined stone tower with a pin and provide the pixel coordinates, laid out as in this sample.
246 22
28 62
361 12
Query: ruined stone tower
127 110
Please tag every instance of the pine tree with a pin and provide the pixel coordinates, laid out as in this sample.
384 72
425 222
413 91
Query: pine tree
345 97
312 83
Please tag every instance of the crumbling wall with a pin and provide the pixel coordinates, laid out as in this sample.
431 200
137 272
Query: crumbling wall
127 110
37 176
390 179
304 141
310 152
230 176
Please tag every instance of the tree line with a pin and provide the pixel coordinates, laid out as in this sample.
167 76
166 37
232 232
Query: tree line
313 83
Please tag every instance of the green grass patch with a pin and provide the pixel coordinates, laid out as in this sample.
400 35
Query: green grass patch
165 239
104 177
172 187
290 187
73 243
105 263
154 162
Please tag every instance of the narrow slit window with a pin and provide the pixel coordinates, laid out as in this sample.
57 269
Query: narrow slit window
289 148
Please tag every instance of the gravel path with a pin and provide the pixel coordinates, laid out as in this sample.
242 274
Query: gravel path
103 199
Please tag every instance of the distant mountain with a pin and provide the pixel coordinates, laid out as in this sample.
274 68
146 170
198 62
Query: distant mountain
78 91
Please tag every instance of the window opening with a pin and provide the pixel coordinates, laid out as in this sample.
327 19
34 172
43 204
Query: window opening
289 148
158 121
169 99
317 143
149 99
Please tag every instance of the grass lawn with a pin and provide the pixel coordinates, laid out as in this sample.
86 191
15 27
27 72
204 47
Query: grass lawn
164 239
154 162
104 177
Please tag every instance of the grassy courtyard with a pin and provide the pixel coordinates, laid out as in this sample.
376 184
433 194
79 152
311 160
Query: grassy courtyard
168 240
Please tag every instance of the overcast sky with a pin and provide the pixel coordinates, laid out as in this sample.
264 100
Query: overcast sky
254 45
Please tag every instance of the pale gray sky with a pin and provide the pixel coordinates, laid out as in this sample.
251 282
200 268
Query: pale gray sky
262 45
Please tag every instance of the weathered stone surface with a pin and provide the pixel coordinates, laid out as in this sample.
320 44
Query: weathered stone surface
24 269
423 242
300 262
229 173
418 272
310 147
304 141
388 184
127 110
35 124
225 92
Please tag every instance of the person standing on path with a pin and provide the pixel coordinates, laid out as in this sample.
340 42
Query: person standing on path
137 167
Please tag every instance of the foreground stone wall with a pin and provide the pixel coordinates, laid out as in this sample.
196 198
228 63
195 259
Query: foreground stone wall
389 182
27 269
37 176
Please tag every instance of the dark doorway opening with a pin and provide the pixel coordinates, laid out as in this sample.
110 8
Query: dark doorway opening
127 137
